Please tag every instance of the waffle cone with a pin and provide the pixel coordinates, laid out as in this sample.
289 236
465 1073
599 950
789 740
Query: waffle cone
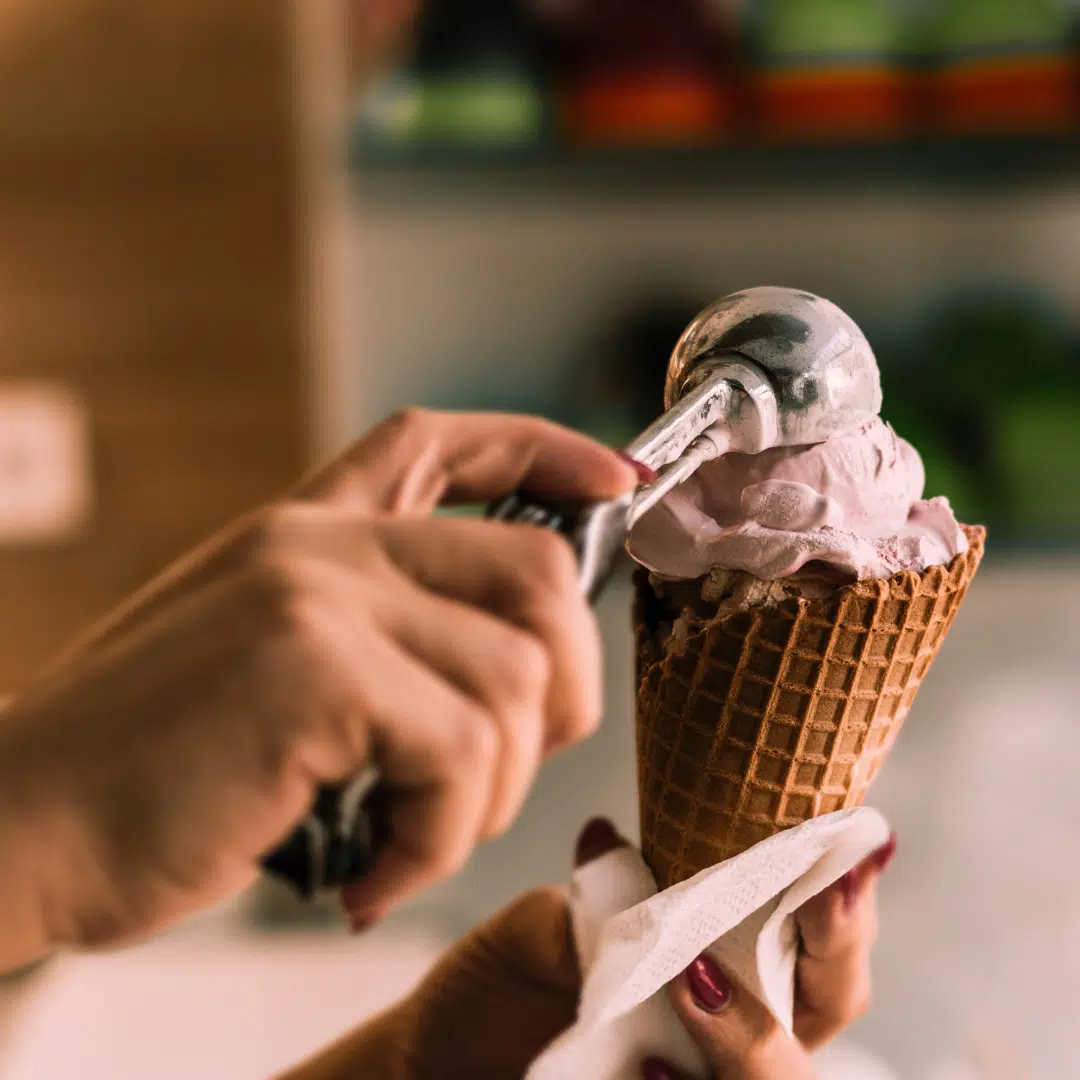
752 720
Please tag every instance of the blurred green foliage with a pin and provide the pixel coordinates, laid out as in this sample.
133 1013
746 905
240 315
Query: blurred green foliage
990 395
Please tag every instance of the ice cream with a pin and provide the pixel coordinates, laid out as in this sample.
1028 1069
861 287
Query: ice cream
789 602
847 508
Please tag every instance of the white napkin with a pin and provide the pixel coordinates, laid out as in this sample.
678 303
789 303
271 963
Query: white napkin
632 941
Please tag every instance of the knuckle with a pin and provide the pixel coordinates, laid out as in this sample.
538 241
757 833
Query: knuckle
472 742
575 727
497 827
279 521
276 581
269 533
526 669
450 858
588 726
284 596
501 820
584 721
583 710
407 423
549 564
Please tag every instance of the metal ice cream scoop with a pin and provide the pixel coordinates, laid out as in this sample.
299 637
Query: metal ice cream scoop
760 368
818 361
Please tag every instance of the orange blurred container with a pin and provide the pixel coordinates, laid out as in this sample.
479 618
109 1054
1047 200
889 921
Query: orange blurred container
1028 93
646 74
646 108
858 101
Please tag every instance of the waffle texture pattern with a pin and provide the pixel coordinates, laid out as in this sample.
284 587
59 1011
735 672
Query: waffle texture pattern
756 721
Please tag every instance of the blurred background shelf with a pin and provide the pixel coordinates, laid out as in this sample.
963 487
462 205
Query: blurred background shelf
970 166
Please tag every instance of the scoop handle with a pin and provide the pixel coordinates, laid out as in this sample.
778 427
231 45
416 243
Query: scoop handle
597 531
339 841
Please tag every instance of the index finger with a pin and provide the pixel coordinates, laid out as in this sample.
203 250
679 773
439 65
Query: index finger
417 460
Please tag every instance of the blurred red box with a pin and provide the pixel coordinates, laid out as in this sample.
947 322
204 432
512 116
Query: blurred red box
657 109
857 101
1005 94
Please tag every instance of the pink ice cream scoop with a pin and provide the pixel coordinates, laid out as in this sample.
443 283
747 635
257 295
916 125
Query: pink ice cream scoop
848 508
841 498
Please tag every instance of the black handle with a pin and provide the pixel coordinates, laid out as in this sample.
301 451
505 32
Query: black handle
342 837
596 530
338 843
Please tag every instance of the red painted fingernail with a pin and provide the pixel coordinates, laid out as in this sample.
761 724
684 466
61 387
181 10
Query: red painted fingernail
884 855
708 984
655 1069
849 888
644 473
597 838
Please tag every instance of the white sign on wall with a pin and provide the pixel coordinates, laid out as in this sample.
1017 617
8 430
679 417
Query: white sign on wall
45 478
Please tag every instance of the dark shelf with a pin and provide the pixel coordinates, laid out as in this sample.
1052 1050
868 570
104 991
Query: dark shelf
969 166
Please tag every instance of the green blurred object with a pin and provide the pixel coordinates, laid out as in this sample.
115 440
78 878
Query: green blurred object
827 28
944 475
991 398
1040 443
980 343
492 109
475 82
965 25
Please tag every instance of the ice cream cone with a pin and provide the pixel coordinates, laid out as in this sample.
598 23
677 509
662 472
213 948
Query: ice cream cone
756 714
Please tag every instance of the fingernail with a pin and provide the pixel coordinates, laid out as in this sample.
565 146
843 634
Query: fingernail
849 888
597 838
884 855
654 1069
708 984
644 473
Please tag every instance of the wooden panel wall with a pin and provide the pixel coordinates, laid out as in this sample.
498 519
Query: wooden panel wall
152 255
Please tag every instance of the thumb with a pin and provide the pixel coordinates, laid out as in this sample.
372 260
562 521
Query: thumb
417 460
738 1035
